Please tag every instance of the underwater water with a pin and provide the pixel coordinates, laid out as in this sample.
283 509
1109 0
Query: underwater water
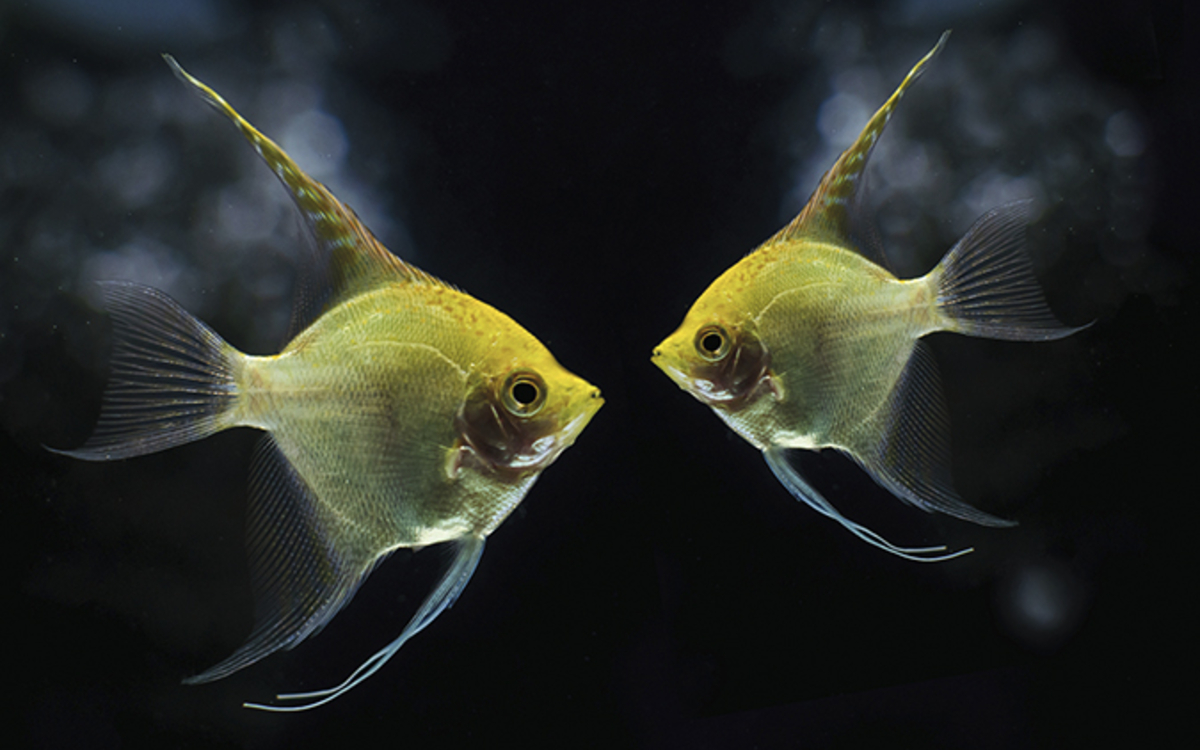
589 170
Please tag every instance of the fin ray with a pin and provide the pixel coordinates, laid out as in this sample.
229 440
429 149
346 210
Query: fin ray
985 285
469 551
301 578
346 258
830 212
804 492
172 378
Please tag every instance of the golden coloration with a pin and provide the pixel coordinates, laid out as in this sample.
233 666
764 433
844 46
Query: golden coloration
805 343
403 413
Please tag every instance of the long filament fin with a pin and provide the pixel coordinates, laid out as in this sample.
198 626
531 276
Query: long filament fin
470 549
804 492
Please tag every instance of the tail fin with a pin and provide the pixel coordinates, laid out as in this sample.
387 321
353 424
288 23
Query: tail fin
985 284
172 378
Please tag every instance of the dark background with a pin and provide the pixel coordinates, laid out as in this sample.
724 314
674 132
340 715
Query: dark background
588 168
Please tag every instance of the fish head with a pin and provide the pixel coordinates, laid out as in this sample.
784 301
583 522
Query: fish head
522 411
717 355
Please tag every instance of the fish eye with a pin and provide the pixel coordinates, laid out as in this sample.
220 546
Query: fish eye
524 393
712 343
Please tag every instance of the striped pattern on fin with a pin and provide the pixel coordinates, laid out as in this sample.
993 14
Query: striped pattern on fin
348 258
301 577
905 446
828 216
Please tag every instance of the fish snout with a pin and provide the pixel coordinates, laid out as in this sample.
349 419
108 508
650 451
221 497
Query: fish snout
593 402
665 363
585 405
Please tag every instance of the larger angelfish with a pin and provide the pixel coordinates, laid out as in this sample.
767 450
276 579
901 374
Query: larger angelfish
806 343
403 413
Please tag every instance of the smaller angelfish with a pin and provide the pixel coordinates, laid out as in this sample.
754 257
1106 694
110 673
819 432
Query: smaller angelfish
806 343
402 413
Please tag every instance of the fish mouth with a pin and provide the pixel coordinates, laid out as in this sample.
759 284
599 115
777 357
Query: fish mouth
587 410
678 376
659 360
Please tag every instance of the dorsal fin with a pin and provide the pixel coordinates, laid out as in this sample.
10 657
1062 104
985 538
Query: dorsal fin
828 215
348 260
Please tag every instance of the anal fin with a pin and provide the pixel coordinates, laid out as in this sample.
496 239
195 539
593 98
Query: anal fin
303 572
904 445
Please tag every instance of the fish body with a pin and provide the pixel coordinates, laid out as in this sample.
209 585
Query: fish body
405 363
807 343
815 390
403 413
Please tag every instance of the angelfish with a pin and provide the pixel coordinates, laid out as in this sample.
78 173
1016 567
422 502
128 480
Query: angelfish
403 413
807 343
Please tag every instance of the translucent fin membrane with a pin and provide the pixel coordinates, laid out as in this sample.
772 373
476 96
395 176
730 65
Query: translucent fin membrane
986 286
171 381
804 492
441 598
301 576
904 445
829 214
343 258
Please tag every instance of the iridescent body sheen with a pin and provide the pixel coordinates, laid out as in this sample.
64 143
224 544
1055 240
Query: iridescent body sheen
403 413
806 343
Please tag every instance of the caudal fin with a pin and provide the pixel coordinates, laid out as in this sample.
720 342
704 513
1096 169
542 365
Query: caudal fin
985 284
172 378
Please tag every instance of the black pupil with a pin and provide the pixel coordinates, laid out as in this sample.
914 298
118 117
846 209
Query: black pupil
524 393
711 343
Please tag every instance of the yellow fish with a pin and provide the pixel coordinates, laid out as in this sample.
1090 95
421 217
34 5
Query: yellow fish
403 413
805 343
